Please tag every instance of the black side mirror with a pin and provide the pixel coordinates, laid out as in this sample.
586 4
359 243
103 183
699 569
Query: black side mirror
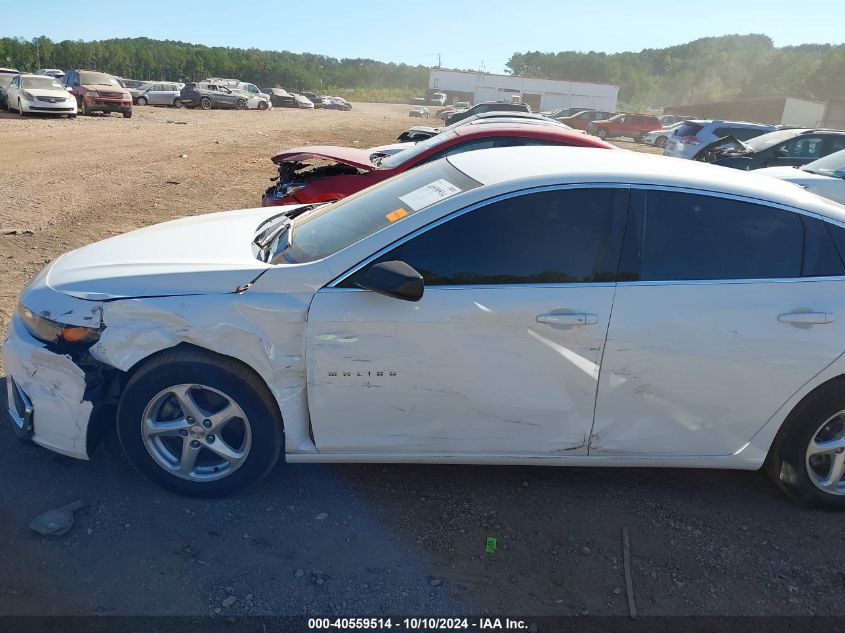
393 279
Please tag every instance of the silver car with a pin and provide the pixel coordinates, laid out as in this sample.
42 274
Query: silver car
166 94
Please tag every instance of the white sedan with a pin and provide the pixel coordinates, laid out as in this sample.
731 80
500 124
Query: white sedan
39 94
659 138
254 101
824 177
527 305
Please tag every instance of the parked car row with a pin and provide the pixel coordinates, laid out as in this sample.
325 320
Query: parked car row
94 91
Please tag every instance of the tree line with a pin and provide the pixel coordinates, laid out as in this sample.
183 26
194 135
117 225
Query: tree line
144 58
707 69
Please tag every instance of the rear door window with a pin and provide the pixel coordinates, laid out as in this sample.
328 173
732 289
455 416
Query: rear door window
696 237
834 143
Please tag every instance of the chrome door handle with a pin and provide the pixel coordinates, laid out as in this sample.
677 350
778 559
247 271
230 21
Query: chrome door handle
571 318
809 318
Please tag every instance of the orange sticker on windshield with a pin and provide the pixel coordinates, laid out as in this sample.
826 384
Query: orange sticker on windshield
396 215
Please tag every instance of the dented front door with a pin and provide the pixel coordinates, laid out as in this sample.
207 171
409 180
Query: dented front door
464 371
500 356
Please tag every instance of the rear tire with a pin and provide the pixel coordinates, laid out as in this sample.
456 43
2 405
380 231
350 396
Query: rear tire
211 380
177 103
205 103
796 462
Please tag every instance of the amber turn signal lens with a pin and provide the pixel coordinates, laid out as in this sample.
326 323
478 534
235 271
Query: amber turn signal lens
75 334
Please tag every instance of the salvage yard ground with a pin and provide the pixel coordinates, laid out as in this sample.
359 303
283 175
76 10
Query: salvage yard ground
348 540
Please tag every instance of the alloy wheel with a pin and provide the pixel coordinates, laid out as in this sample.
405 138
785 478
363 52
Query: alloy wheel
196 432
825 456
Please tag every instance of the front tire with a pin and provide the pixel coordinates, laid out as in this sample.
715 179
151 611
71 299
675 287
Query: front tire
199 424
83 109
661 142
241 104
142 101
127 114
807 458
20 109
601 133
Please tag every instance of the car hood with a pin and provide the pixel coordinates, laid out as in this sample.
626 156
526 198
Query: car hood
359 158
105 88
48 92
205 254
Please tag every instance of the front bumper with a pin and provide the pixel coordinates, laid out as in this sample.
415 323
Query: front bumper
46 394
106 104
67 106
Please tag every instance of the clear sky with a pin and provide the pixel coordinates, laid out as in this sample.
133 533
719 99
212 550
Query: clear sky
467 33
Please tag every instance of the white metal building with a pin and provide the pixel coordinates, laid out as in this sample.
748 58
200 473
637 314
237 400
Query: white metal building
540 94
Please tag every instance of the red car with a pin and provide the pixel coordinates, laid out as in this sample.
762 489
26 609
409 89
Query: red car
633 126
324 173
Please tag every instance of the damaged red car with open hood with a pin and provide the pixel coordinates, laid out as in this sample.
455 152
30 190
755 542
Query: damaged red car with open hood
324 173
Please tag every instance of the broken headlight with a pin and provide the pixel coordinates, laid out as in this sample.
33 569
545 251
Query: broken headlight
50 331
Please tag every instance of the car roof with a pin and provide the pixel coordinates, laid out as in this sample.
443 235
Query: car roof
517 128
539 165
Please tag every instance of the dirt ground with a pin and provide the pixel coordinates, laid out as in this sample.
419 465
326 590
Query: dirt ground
347 540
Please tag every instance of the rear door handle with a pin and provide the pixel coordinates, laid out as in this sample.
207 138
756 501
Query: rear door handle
570 318
809 318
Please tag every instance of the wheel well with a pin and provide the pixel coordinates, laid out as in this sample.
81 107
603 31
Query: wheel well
813 393
114 382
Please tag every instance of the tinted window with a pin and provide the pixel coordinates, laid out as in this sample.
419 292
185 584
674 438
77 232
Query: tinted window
803 147
686 236
469 146
569 236
821 259
741 133
838 234
688 129
835 143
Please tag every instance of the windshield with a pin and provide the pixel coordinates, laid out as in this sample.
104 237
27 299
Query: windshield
103 79
832 165
333 227
400 158
772 138
40 83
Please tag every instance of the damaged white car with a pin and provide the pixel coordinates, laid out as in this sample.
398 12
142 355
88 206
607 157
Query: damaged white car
532 305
